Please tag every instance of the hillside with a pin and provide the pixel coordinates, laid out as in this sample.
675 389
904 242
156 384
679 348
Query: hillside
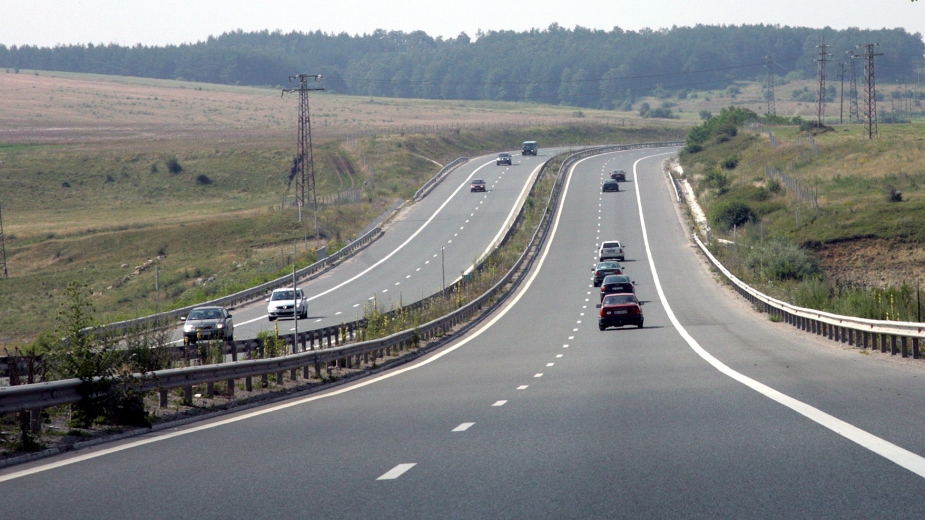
107 180
576 67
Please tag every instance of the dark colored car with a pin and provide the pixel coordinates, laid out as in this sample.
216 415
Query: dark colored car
618 175
206 323
618 310
503 158
477 185
610 185
616 284
603 269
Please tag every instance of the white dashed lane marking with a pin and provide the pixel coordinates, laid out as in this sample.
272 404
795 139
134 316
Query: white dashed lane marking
463 427
538 375
499 403
397 471
522 387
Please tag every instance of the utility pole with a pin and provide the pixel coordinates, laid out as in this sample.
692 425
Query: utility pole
303 168
2 247
820 97
870 90
853 112
841 106
772 109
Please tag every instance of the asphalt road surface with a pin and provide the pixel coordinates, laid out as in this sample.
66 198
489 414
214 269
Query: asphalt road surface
437 238
709 411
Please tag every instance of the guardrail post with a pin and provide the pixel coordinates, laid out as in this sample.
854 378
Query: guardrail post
210 389
248 384
317 369
265 379
305 374
851 336
893 346
229 387
188 394
279 378
234 350
162 394
903 346
915 348
865 338
882 343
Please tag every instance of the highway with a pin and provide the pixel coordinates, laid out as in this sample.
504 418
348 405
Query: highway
709 411
437 237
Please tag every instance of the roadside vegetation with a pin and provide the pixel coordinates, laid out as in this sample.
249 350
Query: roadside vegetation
203 209
854 243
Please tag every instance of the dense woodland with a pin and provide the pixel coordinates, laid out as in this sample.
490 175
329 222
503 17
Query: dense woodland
580 67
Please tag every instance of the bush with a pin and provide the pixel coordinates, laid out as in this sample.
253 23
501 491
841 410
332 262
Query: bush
718 181
705 115
727 214
892 194
174 166
203 180
780 260
730 163
774 186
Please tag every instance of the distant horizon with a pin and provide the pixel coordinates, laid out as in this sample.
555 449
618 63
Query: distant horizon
473 37
174 22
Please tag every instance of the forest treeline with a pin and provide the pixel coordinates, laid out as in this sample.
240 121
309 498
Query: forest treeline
580 67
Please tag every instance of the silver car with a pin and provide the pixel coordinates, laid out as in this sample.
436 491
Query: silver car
206 323
282 304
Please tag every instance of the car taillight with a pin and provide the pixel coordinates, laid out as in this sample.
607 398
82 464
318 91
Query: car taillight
597 273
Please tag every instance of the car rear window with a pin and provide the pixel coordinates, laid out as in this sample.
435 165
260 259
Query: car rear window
608 245
619 298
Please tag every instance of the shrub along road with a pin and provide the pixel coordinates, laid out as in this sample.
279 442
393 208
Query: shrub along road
536 413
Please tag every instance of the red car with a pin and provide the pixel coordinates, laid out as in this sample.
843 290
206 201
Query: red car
618 175
477 185
618 310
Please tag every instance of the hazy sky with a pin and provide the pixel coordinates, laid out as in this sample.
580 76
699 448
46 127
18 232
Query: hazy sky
127 22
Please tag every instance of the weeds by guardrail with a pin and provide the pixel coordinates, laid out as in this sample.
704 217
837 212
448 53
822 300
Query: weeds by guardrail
896 337
320 350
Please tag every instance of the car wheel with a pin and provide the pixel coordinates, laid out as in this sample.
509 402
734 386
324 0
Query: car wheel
272 318
639 326
601 327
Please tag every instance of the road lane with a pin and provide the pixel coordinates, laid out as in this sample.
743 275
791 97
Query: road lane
626 423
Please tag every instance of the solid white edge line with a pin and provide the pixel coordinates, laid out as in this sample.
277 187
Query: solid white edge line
256 413
885 449
403 244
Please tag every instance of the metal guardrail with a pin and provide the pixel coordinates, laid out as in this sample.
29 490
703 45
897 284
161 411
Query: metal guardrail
892 336
247 294
41 395
436 179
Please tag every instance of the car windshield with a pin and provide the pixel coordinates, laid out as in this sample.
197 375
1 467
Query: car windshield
478 181
503 155
619 298
283 295
205 314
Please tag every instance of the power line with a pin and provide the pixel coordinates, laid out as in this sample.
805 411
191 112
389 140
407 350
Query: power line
820 98
853 112
303 167
870 89
772 107
2 247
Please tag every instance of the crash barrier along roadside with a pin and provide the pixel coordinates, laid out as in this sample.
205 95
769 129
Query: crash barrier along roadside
320 348
896 337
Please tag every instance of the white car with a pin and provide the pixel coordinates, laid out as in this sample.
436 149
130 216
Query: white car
282 304
611 249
